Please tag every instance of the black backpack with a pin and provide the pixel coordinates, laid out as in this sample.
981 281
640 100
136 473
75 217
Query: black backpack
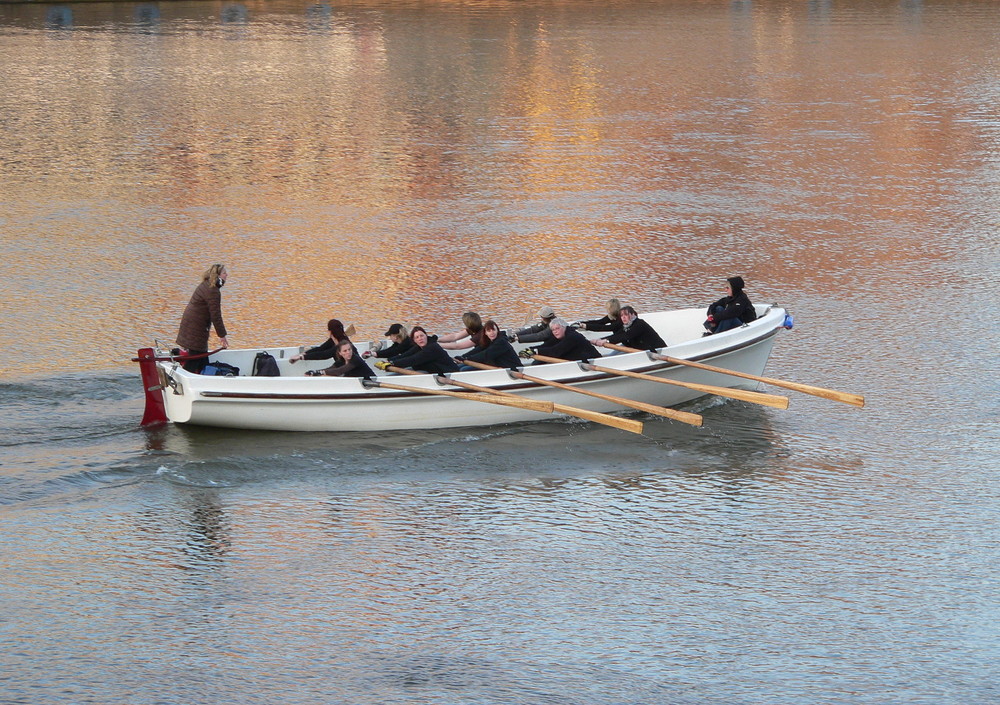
221 369
264 365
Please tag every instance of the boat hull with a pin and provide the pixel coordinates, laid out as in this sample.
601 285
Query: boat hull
294 402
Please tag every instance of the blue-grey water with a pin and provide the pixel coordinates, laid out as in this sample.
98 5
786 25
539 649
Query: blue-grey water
383 161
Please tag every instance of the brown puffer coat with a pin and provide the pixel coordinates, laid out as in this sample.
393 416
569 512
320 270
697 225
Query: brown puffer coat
203 310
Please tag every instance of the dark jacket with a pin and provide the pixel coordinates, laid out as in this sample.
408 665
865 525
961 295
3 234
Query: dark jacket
324 351
573 346
430 358
638 335
737 306
602 324
537 333
356 367
396 349
203 311
499 353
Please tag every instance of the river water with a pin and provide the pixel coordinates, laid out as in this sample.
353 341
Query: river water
383 161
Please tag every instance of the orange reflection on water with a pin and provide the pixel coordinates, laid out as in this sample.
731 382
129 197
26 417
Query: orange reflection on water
380 163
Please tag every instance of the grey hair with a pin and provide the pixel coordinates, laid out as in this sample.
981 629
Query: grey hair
558 322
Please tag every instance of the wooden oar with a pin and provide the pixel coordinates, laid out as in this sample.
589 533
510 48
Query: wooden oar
596 416
630 425
544 407
774 400
683 416
846 398
350 331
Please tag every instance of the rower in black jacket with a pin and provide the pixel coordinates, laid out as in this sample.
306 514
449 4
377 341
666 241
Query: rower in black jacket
499 352
567 343
635 333
427 356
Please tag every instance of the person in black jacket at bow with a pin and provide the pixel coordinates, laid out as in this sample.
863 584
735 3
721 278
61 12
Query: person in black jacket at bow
634 333
499 352
427 356
567 343
732 310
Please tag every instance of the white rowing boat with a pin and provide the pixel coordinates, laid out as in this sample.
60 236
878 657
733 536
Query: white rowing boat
296 402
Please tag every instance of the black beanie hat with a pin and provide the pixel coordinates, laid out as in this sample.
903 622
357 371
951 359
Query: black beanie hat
736 283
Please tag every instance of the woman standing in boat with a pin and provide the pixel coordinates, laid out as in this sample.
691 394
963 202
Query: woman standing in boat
732 310
326 349
427 357
348 363
203 311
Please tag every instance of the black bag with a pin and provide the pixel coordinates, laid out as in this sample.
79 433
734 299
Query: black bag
221 369
264 365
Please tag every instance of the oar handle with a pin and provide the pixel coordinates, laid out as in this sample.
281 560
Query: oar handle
833 395
403 370
480 365
621 348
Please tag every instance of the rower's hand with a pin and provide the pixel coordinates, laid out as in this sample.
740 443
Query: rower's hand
366 354
599 342
526 354
294 359
225 343
382 365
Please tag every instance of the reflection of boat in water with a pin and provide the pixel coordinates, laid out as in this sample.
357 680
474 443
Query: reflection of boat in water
295 402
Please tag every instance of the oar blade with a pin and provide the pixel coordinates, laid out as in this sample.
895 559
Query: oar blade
831 394
630 425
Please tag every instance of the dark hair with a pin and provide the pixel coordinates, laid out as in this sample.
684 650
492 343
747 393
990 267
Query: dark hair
413 332
336 328
627 308
491 325
737 284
